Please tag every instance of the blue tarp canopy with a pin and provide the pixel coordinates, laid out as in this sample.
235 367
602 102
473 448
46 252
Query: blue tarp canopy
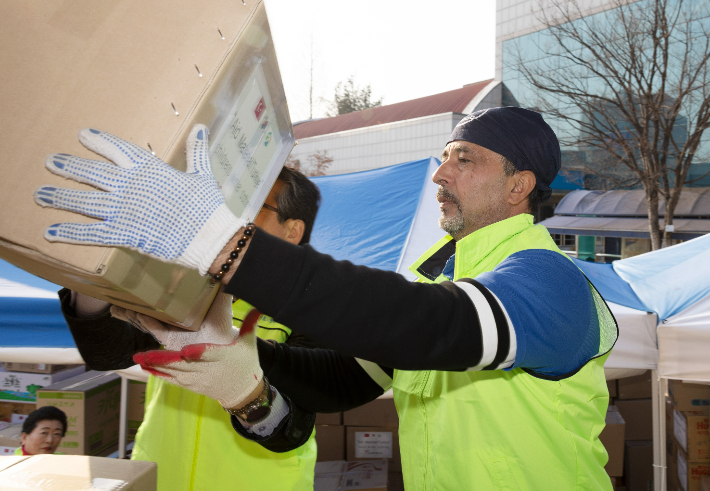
383 218
610 285
669 280
29 311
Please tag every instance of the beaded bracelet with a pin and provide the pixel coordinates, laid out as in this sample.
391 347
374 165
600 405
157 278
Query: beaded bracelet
248 232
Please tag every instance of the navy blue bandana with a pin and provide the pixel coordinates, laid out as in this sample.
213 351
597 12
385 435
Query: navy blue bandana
518 134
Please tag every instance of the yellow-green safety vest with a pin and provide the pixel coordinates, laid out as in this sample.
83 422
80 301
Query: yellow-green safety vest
503 430
192 440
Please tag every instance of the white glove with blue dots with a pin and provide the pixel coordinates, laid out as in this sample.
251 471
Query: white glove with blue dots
145 205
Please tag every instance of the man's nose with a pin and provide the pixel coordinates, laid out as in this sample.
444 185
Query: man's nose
442 174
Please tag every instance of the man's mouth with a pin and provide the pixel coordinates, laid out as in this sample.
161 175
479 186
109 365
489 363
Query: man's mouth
446 198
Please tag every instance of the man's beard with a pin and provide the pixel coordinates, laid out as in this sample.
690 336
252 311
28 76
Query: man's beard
452 225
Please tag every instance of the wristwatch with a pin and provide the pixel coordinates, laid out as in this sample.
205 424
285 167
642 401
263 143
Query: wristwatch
258 409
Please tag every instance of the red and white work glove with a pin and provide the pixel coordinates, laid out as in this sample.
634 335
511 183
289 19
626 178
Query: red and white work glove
218 361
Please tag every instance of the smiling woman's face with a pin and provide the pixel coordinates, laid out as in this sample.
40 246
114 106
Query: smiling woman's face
44 439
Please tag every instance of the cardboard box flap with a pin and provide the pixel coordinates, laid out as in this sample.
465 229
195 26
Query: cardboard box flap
72 472
10 460
84 382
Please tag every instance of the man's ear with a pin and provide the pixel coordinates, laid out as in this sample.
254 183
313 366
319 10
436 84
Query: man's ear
295 229
523 184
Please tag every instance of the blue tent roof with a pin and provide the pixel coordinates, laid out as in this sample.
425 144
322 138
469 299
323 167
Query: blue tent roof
30 315
610 285
366 217
669 280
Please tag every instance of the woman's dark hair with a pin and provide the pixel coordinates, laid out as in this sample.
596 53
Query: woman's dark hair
45 413
299 199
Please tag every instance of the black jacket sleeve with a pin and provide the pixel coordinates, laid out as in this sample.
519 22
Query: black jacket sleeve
346 307
105 343
317 380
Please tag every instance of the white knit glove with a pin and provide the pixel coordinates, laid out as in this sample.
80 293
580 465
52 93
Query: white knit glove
228 372
217 327
148 206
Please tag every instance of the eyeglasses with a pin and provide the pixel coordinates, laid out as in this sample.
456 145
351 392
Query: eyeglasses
269 207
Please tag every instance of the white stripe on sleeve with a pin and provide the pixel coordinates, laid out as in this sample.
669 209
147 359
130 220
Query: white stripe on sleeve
489 330
376 373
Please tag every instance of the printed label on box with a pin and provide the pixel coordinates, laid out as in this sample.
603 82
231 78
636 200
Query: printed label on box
242 152
18 419
373 445
8 450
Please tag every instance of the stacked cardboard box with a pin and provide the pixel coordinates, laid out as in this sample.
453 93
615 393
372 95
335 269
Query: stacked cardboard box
632 398
612 436
18 388
368 475
71 472
136 407
10 438
91 402
372 432
688 430
330 437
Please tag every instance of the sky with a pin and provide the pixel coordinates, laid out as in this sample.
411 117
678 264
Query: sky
402 49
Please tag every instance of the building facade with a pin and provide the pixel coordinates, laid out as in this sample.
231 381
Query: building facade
391 134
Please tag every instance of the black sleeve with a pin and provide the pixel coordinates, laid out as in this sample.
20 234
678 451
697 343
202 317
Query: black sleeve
345 307
105 343
310 380
317 380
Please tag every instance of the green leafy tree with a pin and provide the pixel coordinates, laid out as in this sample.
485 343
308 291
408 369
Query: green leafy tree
349 98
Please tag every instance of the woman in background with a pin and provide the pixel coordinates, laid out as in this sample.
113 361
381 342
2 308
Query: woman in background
42 431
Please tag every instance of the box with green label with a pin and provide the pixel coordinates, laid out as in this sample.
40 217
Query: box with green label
91 402
23 387
136 407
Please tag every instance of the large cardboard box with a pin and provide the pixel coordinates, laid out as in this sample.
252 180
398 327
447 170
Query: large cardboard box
330 440
8 409
380 412
35 367
329 419
23 386
638 415
638 465
612 436
375 442
692 431
611 385
136 407
689 397
72 472
91 402
672 465
370 475
146 72
638 387
690 473
10 438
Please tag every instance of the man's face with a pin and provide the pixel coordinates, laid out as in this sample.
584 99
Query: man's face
267 219
44 439
472 188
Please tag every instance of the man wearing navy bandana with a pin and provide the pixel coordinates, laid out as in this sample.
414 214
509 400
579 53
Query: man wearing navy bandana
495 354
